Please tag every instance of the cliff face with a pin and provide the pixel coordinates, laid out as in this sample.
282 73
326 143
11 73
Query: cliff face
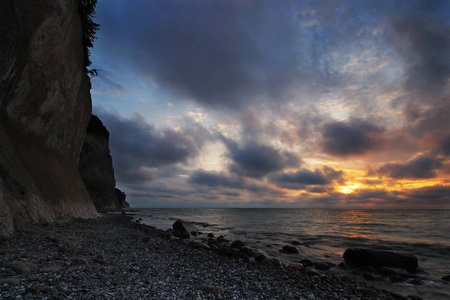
45 107
96 167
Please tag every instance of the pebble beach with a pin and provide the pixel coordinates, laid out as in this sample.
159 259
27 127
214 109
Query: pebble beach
112 257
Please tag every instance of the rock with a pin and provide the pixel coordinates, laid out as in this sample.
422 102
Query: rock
250 252
210 235
378 258
45 107
295 266
208 289
23 268
261 257
183 229
323 265
446 278
290 249
96 168
275 262
199 245
417 281
386 271
222 239
52 268
237 244
368 276
12 281
311 297
342 265
307 262
366 292
396 278
80 261
296 243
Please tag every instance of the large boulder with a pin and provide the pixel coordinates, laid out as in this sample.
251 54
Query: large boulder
290 249
361 257
183 229
45 107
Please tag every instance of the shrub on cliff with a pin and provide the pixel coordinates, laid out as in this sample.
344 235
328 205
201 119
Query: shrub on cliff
86 10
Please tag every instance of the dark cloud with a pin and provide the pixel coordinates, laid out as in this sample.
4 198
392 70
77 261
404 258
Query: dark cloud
434 195
220 180
444 145
260 160
350 138
417 168
220 53
216 179
426 54
138 147
301 179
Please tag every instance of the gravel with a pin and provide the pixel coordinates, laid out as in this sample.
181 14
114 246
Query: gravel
111 257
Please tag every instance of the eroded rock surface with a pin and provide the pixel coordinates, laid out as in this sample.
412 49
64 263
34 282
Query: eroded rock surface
45 106
96 167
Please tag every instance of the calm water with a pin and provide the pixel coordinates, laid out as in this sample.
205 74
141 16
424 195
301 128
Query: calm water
324 234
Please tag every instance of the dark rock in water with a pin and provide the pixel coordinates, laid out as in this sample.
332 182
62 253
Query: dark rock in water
324 265
222 239
261 257
296 243
250 252
183 229
417 281
378 258
396 278
446 278
210 235
386 271
307 262
290 249
237 244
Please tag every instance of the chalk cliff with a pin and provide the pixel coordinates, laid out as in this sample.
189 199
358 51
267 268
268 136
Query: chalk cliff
96 167
45 107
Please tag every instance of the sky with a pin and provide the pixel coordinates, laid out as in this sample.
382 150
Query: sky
245 103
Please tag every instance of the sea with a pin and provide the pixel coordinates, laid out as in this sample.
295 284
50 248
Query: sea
324 234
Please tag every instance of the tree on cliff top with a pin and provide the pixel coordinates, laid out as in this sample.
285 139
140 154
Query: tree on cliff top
86 10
